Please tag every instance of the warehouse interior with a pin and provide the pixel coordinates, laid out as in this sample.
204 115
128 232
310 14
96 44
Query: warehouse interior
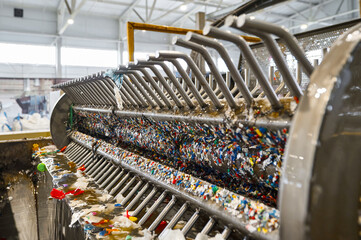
180 119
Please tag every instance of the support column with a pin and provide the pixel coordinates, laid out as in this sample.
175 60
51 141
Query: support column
200 24
58 66
122 36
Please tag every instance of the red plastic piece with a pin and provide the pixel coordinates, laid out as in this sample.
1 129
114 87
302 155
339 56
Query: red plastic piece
75 192
161 226
57 194
82 168
63 149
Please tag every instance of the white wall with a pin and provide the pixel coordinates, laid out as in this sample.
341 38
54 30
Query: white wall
39 27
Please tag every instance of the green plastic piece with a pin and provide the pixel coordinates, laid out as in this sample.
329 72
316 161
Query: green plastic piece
41 167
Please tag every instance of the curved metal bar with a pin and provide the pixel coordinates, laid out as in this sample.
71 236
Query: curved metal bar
109 91
174 81
281 32
128 97
251 59
143 92
275 52
197 38
134 90
195 70
125 97
152 82
123 69
111 86
161 79
203 51
185 77
131 93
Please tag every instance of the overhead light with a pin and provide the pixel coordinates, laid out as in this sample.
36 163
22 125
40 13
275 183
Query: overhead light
143 30
183 7
252 17
70 21
304 26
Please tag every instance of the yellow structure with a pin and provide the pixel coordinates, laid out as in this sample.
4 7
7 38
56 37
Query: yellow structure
131 26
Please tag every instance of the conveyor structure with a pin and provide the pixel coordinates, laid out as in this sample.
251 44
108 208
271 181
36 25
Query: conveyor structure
247 163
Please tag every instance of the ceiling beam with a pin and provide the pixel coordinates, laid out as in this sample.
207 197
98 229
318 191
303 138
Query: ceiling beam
282 16
72 16
151 10
140 17
68 6
205 3
127 11
304 11
320 21
165 14
185 16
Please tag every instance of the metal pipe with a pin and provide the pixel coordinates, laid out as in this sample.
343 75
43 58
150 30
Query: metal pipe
299 73
94 162
247 77
141 89
153 83
226 232
131 26
173 80
131 93
100 174
99 169
69 147
126 187
162 214
131 193
112 88
104 93
118 186
276 53
207 57
127 96
144 202
281 32
115 180
93 93
89 163
208 226
137 197
186 80
144 84
315 62
227 59
77 149
190 222
271 74
219 212
106 182
85 158
161 80
176 217
271 124
152 208
195 70
251 59
109 91
135 92
99 162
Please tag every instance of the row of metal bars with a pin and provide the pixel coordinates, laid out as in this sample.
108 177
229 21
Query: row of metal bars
139 89
118 181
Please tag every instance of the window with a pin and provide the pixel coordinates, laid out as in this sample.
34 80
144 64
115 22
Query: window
88 57
27 54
